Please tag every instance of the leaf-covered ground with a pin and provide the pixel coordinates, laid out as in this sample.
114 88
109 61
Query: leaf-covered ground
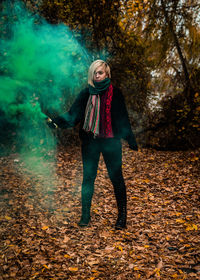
161 241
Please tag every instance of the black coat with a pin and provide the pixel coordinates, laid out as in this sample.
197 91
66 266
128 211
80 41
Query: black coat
119 116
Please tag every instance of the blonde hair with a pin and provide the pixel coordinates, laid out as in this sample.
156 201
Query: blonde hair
93 67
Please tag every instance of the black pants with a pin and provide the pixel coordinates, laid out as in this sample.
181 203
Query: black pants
111 150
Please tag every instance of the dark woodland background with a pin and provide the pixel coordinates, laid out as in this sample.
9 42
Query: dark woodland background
153 49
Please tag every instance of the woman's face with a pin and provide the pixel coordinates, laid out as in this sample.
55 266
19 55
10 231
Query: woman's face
100 74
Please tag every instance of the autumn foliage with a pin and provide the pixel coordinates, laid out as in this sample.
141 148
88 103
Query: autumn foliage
153 49
40 238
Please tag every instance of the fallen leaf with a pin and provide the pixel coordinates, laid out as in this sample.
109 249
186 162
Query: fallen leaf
66 239
8 218
73 269
45 227
67 256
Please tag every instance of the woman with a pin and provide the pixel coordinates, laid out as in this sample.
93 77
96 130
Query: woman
103 118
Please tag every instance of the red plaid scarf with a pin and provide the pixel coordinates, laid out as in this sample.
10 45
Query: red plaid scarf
105 114
94 114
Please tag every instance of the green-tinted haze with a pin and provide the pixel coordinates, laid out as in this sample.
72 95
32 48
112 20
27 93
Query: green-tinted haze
41 66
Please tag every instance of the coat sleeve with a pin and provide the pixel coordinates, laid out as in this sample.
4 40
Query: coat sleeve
124 123
76 112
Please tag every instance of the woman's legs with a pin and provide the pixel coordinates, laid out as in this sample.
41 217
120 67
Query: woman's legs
112 153
90 158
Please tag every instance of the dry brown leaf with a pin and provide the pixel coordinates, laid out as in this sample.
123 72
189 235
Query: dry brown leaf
73 269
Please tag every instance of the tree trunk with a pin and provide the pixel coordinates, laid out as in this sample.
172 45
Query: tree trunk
188 87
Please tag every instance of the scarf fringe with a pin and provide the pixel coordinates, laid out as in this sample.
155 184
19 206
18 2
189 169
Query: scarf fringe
92 113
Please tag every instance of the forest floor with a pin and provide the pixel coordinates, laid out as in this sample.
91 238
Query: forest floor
162 239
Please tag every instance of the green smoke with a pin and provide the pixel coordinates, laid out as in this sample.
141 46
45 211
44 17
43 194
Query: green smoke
41 67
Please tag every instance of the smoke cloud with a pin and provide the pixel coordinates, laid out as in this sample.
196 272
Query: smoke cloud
41 67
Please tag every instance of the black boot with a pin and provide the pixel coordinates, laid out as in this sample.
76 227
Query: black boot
121 198
86 205
121 220
84 221
85 218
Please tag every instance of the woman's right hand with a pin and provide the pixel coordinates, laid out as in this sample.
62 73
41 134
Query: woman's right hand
50 123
